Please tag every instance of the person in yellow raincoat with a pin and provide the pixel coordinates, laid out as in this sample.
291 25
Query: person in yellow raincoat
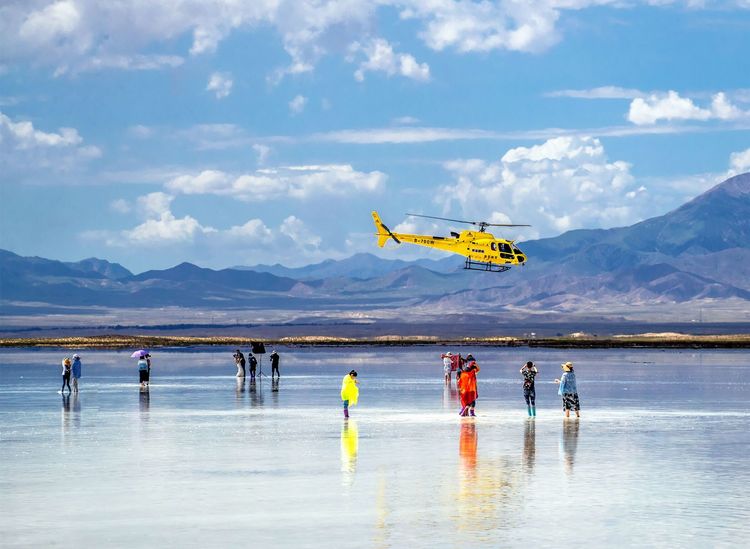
349 391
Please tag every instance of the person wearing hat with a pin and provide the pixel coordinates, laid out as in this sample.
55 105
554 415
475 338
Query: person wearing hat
447 367
467 387
349 391
274 356
568 390
76 372
529 372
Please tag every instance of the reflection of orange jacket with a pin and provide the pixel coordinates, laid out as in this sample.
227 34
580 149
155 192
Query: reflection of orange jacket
468 380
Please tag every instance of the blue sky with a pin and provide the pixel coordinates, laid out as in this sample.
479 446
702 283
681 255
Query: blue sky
227 133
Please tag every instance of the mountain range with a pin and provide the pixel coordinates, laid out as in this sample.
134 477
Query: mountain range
699 252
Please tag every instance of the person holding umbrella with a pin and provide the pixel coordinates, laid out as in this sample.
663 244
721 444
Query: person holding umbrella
144 366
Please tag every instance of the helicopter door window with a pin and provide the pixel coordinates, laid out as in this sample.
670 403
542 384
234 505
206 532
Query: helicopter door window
493 246
505 248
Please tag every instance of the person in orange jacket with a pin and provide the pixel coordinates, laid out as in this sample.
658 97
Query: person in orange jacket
467 387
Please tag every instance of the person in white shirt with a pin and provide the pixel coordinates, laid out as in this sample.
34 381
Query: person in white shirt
447 367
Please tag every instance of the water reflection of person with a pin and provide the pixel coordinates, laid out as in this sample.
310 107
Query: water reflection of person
450 396
239 391
256 396
349 451
569 444
275 391
486 491
76 404
467 446
65 413
529 445
144 397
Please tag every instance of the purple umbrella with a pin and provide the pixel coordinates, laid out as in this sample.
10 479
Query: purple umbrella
139 354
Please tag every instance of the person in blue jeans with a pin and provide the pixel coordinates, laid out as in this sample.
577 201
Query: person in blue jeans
568 390
76 372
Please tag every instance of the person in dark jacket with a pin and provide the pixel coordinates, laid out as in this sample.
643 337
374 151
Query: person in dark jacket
274 363
253 365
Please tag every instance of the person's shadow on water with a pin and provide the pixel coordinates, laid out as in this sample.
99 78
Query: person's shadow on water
569 443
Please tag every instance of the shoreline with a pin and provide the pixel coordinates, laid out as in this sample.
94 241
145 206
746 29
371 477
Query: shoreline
647 340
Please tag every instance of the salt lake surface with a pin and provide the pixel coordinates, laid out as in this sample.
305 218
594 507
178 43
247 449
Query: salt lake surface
659 458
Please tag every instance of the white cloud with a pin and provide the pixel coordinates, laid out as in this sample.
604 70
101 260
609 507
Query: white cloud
739 162
216 136
262 151
294 228
671 106
602 92
120 205
154 204
380 57
405 121
165 230
373 136
299 182
297 105
26 148
22 135
486 26
221 84
122 62
75 35
563 183
166 233
140 131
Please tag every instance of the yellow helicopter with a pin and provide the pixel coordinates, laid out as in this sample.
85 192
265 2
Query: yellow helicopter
483 251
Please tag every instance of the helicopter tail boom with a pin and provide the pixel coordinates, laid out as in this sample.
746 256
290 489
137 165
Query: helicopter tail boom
384 233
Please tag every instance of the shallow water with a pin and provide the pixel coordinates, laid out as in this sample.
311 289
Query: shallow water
659 457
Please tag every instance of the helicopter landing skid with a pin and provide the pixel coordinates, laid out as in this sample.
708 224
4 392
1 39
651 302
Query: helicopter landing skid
483 266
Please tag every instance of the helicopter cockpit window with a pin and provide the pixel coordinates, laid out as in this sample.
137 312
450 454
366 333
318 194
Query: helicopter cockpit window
505 248
492 245
516 250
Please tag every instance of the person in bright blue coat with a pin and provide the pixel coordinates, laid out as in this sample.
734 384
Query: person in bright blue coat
568 390
76 372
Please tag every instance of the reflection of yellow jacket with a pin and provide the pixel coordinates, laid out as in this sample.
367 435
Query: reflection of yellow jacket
349 390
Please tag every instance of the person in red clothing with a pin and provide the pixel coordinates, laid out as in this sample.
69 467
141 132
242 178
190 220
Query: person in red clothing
467 387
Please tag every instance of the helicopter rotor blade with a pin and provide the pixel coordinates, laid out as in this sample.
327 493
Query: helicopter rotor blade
478 223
